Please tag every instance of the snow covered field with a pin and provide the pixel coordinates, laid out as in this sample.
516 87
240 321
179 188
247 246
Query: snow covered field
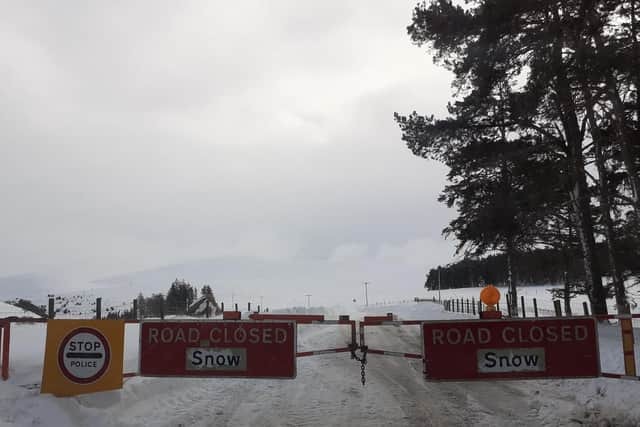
543 298
327 390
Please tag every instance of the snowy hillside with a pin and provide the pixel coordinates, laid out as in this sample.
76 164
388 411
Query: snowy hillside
8 310
82 305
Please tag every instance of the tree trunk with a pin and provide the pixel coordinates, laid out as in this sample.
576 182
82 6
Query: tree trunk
579 193
513 291
567 295
605 203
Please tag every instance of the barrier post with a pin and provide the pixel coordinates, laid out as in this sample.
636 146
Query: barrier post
135 309
535 307
626 330
6 339
585 308
523 312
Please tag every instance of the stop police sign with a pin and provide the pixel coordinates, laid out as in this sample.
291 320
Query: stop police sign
84 355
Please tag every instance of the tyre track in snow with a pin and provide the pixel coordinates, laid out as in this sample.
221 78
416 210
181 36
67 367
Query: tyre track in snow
444 403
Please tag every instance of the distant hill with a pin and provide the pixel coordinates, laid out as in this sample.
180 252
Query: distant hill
281 283
272 283
27 286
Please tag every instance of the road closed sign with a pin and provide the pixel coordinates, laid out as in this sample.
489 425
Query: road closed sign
511 349
247 349
83 356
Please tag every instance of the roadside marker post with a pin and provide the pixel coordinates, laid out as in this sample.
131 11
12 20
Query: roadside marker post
626 330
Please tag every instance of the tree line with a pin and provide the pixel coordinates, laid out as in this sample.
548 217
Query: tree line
541 136
537 267
180 299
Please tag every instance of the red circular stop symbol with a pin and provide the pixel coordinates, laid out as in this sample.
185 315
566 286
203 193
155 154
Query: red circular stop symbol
84 355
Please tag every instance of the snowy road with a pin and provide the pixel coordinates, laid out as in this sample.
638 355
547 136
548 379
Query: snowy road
327 391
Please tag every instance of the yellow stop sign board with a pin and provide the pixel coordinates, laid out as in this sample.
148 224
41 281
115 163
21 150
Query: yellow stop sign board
83 356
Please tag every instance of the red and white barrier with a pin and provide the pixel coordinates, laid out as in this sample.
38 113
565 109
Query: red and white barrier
387 321
5 332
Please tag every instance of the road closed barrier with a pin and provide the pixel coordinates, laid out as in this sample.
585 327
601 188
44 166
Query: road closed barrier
236 348
81 353
509 349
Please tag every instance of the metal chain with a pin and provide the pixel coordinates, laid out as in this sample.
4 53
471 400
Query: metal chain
362 360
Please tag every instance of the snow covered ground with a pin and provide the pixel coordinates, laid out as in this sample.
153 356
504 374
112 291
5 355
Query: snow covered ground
327 390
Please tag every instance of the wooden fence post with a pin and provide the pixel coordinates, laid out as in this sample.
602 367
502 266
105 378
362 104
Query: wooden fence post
98 308
558 307
52 311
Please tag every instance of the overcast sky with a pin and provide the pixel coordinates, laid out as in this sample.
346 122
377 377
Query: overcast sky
141 134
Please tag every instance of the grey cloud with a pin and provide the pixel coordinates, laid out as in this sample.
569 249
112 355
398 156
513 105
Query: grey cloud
138 134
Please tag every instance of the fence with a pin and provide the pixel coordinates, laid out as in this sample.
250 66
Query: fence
473 306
